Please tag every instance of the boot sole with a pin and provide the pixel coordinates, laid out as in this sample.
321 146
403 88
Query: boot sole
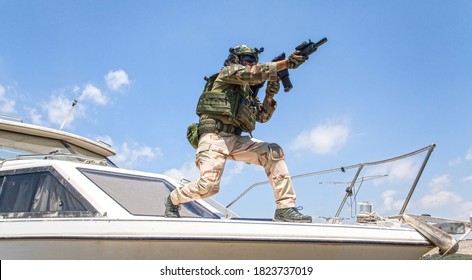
293 221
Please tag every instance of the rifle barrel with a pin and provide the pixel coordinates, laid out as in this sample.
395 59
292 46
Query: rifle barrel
321 42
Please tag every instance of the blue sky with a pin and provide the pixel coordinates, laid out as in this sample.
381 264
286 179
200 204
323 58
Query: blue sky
395 76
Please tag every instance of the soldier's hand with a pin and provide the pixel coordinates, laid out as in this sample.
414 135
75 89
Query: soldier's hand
272 88
295 60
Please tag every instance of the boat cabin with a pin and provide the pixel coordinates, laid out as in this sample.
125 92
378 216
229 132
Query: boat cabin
51 173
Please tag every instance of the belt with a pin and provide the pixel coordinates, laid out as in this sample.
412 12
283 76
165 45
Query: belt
216 126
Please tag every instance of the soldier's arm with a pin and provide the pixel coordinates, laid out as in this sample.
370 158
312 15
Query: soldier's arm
266 110
243 75
268 106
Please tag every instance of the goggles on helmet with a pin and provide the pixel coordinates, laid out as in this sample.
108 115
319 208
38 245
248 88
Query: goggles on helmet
248 58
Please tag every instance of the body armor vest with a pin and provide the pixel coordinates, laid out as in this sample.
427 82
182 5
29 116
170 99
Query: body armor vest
238 106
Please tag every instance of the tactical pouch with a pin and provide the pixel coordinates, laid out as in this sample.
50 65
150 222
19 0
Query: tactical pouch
243 111
209 82
213 103
240 110
192 135
246 115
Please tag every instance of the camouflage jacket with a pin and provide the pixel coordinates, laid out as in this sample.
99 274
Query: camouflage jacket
236 75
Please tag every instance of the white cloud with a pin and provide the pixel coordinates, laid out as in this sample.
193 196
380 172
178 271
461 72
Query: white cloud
389 202
438 183
323 139
130 157
188 171
466 208
57 108
467 179
459 159
233 168
439 198
117 80
7 105
404 170
36 118
455 162
398 171
59 103
468 156
93 94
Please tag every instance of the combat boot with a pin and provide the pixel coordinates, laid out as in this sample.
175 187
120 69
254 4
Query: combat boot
172 211
292 215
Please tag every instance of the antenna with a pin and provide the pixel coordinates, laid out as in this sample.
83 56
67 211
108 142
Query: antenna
68 114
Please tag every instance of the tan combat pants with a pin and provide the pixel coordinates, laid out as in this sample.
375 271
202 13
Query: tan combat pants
213 151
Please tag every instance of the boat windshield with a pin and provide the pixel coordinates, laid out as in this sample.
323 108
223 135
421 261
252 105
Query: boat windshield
141 195
17 145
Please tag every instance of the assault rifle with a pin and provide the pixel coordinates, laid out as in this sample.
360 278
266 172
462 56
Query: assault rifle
305 49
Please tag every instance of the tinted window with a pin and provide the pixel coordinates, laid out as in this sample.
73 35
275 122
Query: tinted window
141 195
35 192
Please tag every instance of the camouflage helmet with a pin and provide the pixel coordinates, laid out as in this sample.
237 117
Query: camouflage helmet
236 54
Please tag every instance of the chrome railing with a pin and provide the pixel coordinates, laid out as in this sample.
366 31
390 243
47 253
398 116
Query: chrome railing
349 190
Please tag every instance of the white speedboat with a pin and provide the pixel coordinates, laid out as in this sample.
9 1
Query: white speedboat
62 198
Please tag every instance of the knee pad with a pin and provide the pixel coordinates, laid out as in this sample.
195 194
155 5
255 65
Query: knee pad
276 153
207 189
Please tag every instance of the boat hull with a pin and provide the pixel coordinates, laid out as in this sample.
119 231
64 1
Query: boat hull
77 249
205 239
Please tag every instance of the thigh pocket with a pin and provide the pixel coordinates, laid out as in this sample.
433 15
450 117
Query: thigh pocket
209 147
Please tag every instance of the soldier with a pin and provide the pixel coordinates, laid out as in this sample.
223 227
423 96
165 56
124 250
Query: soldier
227 107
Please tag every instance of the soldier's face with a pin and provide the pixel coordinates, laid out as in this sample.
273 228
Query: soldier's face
248 63
248 60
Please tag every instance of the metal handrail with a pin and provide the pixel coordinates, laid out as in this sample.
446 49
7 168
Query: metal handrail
53 155
359 167
19 119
